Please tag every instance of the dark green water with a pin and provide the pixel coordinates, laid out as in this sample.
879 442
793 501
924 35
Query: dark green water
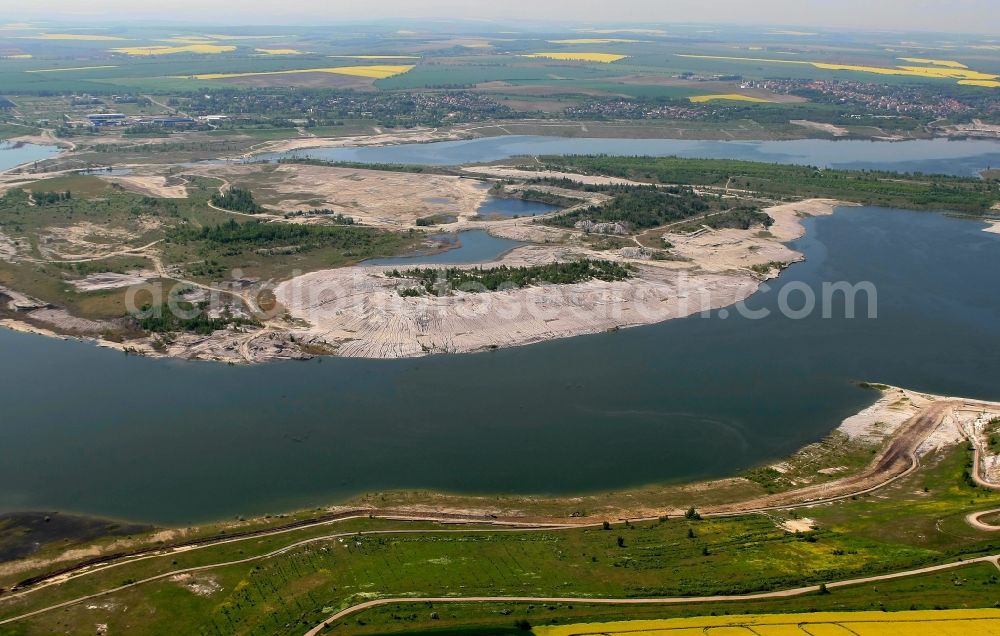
83 429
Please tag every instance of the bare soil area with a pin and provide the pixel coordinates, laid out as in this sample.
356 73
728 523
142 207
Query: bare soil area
380 198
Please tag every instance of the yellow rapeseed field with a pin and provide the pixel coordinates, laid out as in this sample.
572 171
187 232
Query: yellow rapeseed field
591 41
924 60
210 49
603 58
76 36
963 75
986 83
375 72
913 71
279 51
985 622
730 96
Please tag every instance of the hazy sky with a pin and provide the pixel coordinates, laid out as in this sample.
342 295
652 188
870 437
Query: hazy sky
979 16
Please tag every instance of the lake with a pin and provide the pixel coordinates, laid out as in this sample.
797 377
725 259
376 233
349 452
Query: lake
940 156
459 248
12 155
508 208
91 430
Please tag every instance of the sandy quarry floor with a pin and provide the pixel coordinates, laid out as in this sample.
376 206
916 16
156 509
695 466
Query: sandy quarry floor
723 250
90 240
373 197
417 135
505 172
112 280
359 310
8 248
880 422
150 185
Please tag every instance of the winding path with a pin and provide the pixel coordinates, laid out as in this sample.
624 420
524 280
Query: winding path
676 600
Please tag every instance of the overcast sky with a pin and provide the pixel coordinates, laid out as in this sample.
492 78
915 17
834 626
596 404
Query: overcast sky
977 16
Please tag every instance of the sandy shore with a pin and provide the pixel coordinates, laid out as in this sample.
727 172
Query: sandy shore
360 312
416 136
505 172
993 228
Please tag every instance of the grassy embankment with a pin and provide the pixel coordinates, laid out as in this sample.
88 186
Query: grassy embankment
914 522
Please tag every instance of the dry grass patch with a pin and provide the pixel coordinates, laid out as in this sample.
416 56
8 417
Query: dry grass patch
371 72
733 97
209 49
280 51
603 58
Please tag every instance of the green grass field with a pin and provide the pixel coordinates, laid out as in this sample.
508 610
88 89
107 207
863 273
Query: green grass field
675 557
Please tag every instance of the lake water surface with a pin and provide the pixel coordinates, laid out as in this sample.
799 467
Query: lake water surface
470 246
16 154
501 207
91 430
939 156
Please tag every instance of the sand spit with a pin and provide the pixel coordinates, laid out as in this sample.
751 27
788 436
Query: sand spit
882 420
415 136
361 312
505 172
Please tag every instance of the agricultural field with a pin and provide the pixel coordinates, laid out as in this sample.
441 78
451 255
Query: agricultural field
949 623
182 166
161 61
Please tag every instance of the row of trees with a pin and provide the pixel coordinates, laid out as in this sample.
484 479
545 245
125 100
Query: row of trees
874 187
440 282
255 234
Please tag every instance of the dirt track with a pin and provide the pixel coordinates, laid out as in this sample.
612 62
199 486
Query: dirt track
896 460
